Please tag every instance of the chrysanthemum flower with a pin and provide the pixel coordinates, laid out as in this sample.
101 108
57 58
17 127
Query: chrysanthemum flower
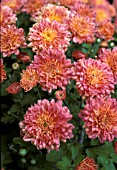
11 39
82 28
93 78
68 3
24 57
102 14
46 124
2 71
53 69
60 94
15 5
78 54
47 34
29 79
53 12
31 6
105 30
98 2
14 88
87 164
115 146
6 16
84 10
110 57
100 118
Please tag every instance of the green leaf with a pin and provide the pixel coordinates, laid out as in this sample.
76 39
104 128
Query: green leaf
65 163
29 99
102 159
14 108
74 148
54 156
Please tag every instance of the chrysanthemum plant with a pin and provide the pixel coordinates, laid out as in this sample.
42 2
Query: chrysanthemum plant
58 85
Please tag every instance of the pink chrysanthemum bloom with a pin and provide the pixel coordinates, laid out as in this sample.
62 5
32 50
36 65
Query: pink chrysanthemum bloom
46 124
24 57
6 16
82 28
15 5
100 118
87 164
53 12
93 78
102 14
78 55
84 10
110 57
68 3
98 2
14 88
53 69
115 146
31 6
47 34
29 79
2 71
105 30
11 39
60 94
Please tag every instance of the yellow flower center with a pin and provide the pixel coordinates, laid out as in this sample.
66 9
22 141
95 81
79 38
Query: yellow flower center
100 15
53 68
49 34
105 118
46 123
54 16
94 76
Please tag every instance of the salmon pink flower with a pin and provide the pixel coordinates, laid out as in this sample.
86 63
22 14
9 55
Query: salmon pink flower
15 5
46 124
68 3
87 164
52 12
102 14
29 79
6 16
53 69
31 6
100 118
82 28
93 78
2 71
84 10
11 39
78 54
24 57
47 34
110 57
105 30
60 94
14 88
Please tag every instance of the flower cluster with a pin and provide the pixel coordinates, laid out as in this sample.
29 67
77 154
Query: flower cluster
46 124
65 57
